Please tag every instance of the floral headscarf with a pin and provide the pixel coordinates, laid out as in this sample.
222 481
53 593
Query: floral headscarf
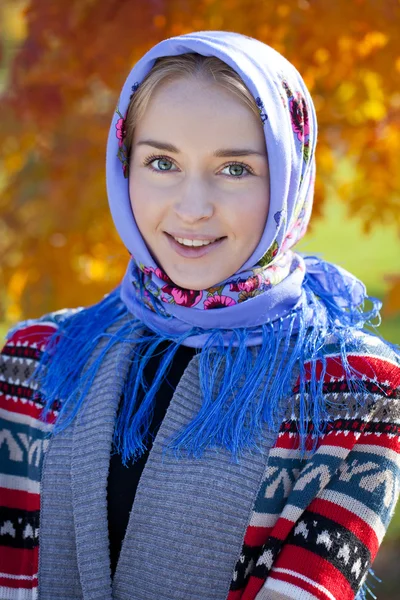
269 285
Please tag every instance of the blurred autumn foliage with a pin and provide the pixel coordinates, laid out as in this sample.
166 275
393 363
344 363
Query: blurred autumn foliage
58 246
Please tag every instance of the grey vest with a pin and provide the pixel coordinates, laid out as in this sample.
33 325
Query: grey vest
187 524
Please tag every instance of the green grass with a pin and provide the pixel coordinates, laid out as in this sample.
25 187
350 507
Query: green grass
3 331
372 257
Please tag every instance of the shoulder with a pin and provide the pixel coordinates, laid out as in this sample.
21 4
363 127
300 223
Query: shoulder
359 379
20 355
25 331
32 340
369 358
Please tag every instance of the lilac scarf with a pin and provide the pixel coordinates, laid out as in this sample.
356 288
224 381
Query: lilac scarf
270 285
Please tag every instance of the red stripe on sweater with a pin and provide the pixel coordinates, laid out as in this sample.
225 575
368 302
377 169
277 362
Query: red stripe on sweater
25 408
349 520
18 583
256 536
368 366
301 584
19 407
19 499
289 441
33 334
392 442
341 439
234 595
282 528
317 569
19 561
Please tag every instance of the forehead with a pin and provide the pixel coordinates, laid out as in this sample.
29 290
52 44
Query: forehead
198 109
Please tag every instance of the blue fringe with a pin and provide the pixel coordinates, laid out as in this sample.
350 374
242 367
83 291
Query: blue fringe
365 590
243 387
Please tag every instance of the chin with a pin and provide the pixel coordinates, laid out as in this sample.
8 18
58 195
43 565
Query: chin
190 285
193 284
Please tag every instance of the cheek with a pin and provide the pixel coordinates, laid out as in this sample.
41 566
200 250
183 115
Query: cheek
144 204
250 214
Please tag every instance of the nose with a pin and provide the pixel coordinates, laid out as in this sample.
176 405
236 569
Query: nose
194 202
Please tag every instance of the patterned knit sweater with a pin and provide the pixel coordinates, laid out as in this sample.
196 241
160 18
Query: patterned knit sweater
317 522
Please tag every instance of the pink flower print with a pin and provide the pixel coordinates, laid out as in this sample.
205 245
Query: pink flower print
266 281
299 116
146 270
147 300
245 285
183 297
292 236
218 302
121 131
160 274
287 242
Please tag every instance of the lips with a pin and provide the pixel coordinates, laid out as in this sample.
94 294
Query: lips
193 251
193 236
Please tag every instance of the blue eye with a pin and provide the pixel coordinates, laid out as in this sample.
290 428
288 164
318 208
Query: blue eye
237 170
164 164
159 164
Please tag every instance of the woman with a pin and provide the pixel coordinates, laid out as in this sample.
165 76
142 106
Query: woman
230 374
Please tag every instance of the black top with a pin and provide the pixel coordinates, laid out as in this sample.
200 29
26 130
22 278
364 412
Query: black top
123 481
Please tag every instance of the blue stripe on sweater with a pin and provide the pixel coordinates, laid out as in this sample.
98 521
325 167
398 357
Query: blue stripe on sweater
21 449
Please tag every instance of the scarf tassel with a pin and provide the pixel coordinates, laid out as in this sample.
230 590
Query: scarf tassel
245 389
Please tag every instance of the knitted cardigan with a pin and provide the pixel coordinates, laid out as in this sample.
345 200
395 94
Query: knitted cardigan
316 522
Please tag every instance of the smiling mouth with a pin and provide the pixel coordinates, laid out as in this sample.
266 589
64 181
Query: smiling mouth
193 248
190 243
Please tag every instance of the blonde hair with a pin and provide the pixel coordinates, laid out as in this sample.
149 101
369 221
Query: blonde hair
169 68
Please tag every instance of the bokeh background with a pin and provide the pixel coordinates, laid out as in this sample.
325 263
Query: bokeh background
61 67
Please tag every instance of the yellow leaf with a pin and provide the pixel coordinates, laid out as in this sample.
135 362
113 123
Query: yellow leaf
346 91
322 55
13 162
13 19
372 41
374 110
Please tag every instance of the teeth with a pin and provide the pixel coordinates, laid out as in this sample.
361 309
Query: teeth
186 242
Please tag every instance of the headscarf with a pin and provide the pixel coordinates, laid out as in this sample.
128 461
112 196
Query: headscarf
284 304
269 285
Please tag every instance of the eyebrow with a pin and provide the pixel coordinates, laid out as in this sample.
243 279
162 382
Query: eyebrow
223 152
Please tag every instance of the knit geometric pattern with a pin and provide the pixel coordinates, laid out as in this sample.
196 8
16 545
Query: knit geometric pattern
22 447
317 522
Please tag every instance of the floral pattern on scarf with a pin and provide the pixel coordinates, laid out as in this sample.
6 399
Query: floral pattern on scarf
299 117
273 266
120 132
270 271
120 127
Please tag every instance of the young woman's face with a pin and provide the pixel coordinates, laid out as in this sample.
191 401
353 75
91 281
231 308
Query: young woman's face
199 173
